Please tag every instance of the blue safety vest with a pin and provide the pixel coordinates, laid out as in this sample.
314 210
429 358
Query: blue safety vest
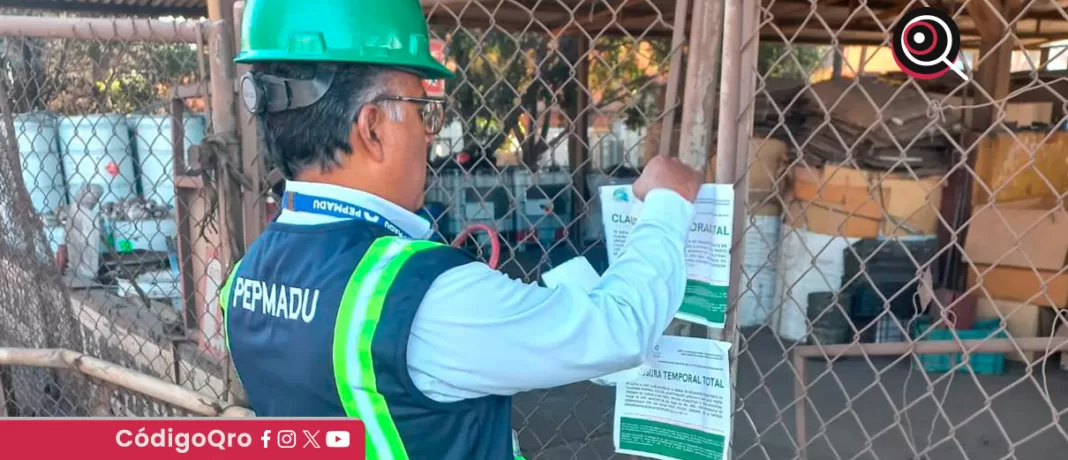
317 322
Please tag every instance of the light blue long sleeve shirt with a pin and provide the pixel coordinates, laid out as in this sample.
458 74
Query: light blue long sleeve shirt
478 332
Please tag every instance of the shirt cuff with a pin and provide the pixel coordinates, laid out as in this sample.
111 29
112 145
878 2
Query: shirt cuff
667 208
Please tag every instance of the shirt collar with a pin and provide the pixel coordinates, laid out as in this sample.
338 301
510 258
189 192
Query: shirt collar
408 221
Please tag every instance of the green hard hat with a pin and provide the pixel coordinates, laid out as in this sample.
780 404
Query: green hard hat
384 32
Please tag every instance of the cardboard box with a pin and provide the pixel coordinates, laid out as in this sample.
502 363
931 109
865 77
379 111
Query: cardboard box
1026 114
827 219
1021 165
767 161
1021 234
1046 288
764 203
902 204
1021 320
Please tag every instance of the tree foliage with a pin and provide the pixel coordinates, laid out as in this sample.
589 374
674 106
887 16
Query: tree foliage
509 86
94 76
778 60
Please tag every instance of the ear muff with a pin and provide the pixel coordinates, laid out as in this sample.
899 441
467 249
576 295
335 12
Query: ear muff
263 93
253 94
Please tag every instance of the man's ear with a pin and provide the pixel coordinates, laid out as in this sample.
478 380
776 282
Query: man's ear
366 129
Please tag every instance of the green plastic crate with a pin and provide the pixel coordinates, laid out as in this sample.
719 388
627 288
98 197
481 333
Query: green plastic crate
980 363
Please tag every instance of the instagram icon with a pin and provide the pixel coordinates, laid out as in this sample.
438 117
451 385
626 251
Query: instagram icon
287 439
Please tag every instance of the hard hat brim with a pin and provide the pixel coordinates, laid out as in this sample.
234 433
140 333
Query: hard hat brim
432 70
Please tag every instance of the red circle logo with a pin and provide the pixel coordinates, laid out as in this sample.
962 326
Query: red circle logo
112 168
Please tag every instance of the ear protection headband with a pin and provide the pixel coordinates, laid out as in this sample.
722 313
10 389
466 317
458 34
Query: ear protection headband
264 93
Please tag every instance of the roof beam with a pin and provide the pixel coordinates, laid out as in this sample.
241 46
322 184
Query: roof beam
192 12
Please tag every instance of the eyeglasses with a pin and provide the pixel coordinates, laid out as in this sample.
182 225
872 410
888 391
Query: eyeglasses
431 110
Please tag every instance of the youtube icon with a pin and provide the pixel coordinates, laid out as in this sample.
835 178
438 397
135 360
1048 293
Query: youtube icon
337 439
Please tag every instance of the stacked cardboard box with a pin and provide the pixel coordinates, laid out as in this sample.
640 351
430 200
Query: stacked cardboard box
875 125
1016 254
835 200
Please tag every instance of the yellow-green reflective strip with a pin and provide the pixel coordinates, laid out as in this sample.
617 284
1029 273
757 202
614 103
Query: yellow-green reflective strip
224 304
224 293
358 315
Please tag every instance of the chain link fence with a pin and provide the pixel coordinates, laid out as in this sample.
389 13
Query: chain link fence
902 293
109 244
900 260
549 102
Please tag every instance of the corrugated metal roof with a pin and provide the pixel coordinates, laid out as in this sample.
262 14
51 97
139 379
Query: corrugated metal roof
186 8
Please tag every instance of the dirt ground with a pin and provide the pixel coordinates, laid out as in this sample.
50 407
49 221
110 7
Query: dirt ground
858 423
859 400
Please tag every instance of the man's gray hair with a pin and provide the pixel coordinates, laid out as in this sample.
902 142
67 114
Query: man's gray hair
318 135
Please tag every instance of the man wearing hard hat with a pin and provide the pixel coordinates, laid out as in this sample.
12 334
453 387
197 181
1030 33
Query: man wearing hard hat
343 308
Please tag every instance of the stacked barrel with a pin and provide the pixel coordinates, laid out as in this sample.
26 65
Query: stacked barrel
124 164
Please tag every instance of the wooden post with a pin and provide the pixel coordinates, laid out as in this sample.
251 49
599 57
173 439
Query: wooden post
232 201
992 85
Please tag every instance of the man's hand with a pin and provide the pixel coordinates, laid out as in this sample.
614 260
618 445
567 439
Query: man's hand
669 173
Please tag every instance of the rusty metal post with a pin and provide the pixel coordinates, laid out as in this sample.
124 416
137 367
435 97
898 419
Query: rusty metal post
253 211
702 68
800 383
932 347
699 99
224 120
671 98
737 86
579 141
106 29
184 197
222 10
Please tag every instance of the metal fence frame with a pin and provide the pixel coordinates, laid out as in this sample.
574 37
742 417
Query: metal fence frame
217 37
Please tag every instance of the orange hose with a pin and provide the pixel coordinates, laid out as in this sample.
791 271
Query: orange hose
495 241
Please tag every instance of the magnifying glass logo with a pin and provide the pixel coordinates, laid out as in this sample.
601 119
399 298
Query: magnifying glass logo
926 43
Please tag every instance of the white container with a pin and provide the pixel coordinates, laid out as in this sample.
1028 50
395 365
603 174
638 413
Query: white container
468 198
96 149
155 152
759 270
809 262
53 231
38 141
143 235
55 235
543 201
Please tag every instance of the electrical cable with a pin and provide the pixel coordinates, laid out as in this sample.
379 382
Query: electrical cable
495 243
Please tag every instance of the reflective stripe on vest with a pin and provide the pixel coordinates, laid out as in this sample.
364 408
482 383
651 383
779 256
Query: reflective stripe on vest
224 303
357 318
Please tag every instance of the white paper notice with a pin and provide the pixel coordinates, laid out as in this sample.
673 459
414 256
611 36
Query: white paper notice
679 407
708 247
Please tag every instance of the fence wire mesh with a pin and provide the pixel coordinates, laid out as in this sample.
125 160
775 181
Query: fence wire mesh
886 216
105 247
549 102
891 216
